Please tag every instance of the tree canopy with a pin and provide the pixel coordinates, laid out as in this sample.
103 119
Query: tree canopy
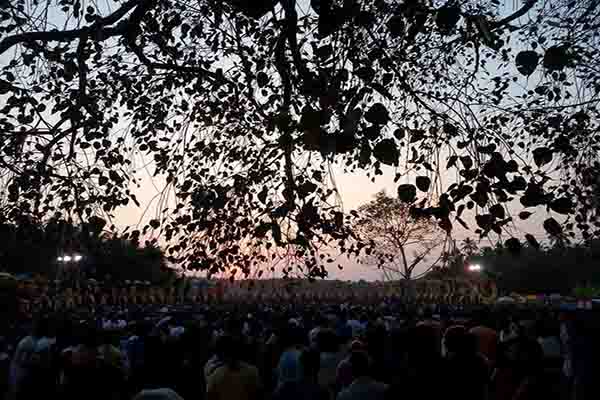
546 270
33 248
398 241
244 107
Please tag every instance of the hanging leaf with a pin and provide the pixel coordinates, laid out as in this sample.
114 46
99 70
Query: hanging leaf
377 114
399 133
262 79
396 26
527 61
513 245
306 189
386 152
446 19
262 196
498 211
532 241
525 214
552 227
542 156
407 193
467 162
563 205
485 221
262 229
423 183
276 232
557 58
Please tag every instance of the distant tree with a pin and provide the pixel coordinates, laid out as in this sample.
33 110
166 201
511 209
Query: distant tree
33 247
399 241
544 269
123 259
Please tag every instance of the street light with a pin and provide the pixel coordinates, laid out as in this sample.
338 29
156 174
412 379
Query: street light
475 268
69 258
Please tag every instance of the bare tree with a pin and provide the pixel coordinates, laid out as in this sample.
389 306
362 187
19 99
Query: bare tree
399 242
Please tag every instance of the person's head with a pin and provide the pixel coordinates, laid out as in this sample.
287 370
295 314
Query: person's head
41 327
290 336
423 342
327 341
457 341
359 361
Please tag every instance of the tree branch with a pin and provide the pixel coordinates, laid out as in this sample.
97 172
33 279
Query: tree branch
527 6
72 34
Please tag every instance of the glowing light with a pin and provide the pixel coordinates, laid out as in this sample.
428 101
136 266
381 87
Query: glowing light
475 267
67 258
77 257
59 259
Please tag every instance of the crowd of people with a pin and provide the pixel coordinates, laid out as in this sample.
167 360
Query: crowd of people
304 351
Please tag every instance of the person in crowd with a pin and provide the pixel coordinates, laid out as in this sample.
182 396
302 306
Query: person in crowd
31 365
330 357
419 364
234 379
308 388
158 394
363 386
487 342
344 376
467 372
548 336
289 367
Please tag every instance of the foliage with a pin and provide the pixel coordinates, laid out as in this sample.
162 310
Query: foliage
544 270
243 107
392 232
32 247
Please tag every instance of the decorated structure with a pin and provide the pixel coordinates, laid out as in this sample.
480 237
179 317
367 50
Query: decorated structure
36 292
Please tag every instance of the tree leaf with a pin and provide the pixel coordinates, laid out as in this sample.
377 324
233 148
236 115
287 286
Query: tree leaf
377 114
532 241
262 79
423 183
563 205
556 58
525 214
386 152
552 227
446 18
407 193
467 162
262 195
542 156
155 224
513 245
498 211
527 61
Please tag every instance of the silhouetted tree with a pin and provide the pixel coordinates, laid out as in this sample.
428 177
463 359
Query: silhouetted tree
244 107
543 270
400 242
